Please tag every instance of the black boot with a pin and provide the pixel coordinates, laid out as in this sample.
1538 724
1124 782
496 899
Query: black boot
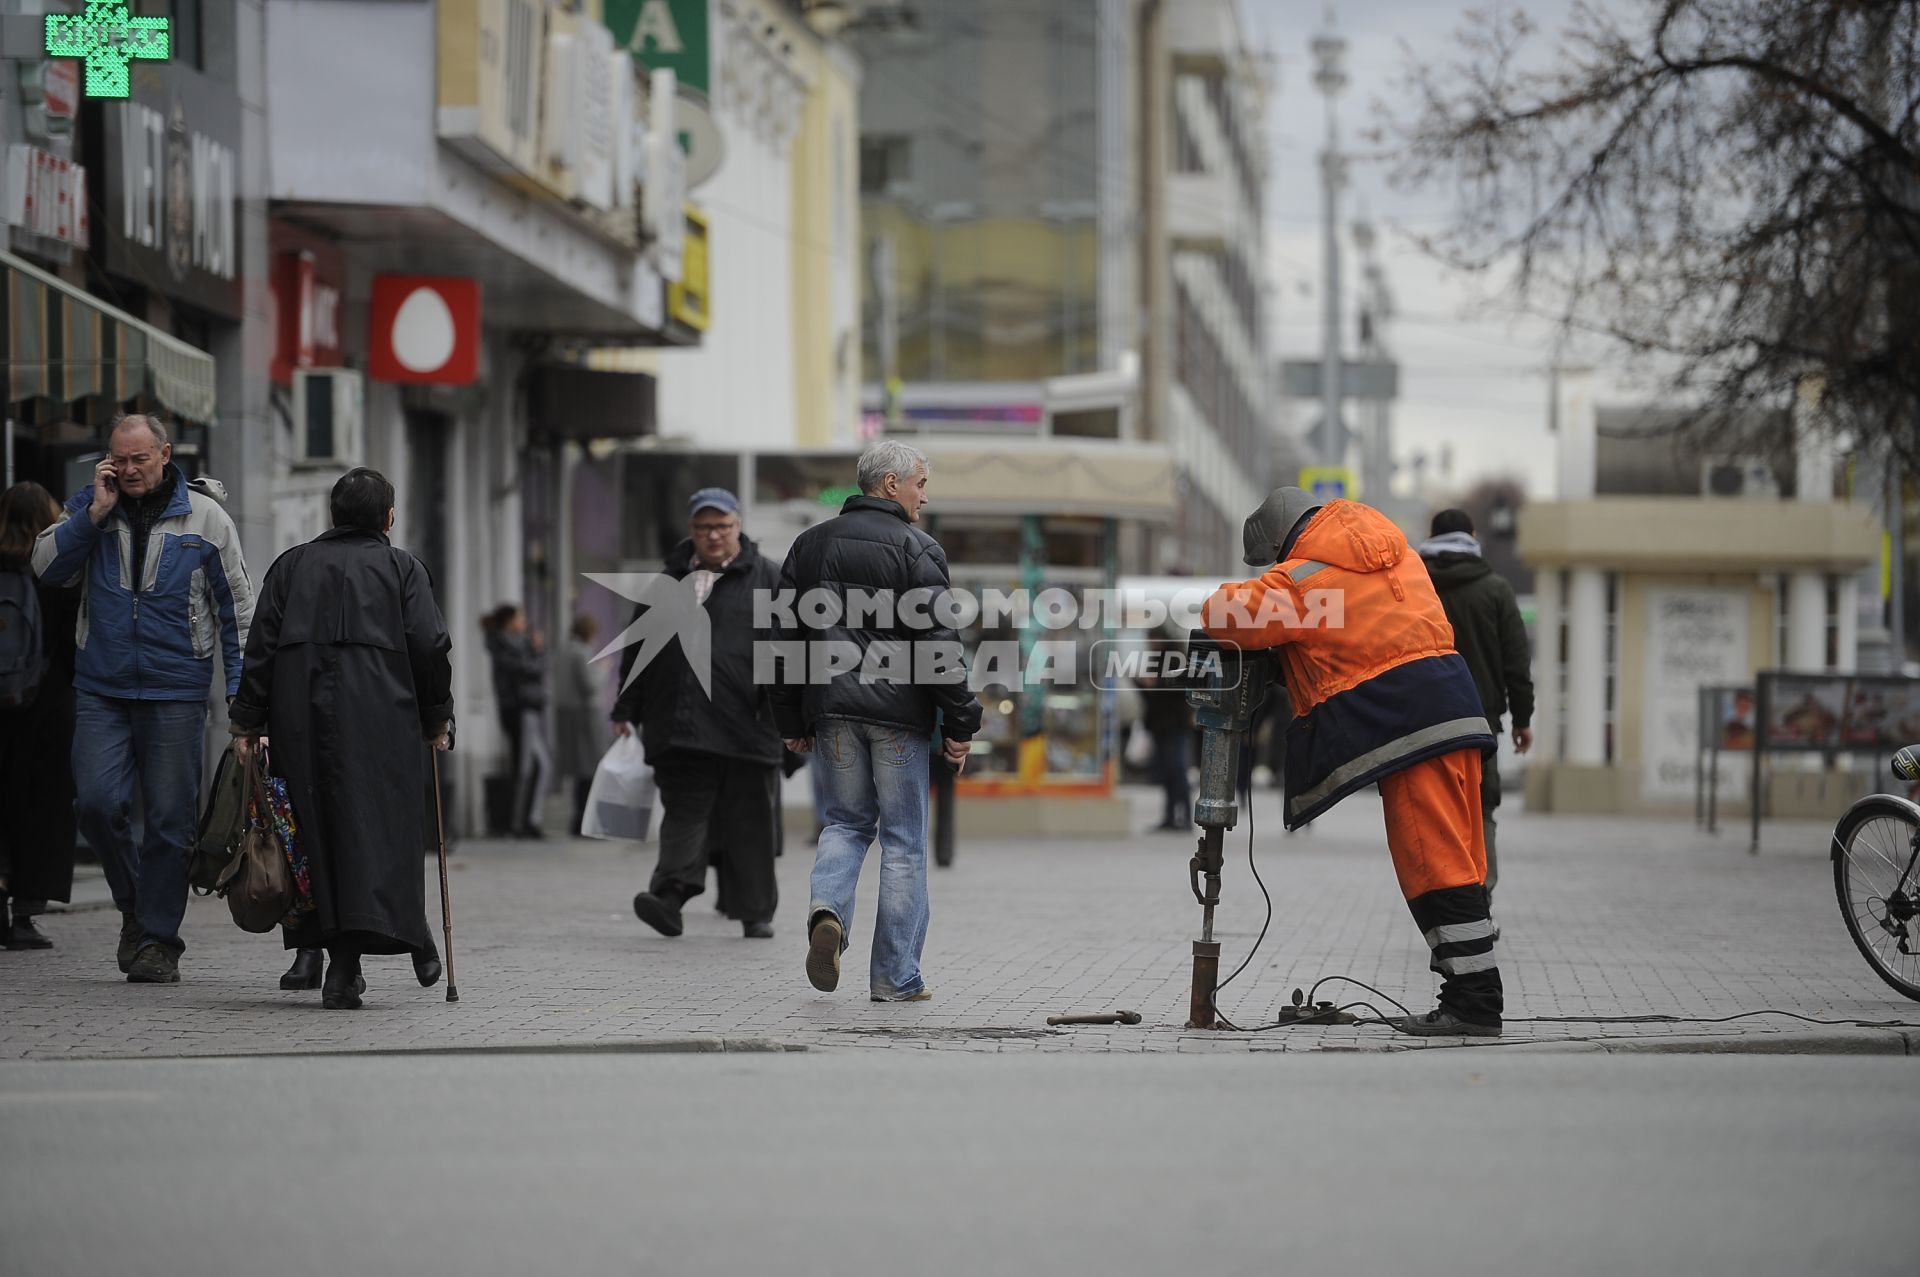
344 984
305 971
130 934
426 965
661 912
26 935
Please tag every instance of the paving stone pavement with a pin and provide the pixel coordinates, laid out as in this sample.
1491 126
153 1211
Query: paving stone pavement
1600 917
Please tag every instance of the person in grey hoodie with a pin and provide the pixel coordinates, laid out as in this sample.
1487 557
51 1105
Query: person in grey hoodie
1488 631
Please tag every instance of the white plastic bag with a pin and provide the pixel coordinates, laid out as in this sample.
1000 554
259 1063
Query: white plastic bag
620 802
1139 751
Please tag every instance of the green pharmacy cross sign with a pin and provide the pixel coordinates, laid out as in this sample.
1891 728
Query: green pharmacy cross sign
107 36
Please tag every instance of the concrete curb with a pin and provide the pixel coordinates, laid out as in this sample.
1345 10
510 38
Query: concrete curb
1837 1042
637 1046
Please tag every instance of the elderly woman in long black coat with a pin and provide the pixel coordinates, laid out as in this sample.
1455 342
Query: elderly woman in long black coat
347 674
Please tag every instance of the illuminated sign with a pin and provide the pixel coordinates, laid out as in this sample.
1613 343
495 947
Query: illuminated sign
107 37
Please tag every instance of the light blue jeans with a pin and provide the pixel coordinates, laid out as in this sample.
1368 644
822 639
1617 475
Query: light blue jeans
875 784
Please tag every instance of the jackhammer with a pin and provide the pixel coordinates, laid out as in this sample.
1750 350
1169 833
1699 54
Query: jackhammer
1227 690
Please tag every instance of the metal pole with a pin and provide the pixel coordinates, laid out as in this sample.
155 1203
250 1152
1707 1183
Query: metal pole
9 452
1330 78
1896 561
1330 449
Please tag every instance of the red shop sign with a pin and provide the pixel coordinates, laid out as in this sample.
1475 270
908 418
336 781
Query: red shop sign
424 329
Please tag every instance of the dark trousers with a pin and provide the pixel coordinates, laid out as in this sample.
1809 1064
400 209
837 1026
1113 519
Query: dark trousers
1170 762
732 806
36 793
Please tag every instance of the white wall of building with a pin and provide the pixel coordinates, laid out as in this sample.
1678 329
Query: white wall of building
736 389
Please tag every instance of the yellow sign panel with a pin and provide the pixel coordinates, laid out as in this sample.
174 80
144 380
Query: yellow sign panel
688 300
1329 483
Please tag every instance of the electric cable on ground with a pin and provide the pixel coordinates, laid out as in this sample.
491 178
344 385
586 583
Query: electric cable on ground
1315 1021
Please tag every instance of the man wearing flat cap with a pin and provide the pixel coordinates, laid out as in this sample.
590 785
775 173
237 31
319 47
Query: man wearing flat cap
714 751
1379 696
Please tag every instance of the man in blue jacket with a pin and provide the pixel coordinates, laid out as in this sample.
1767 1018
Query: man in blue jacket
161 583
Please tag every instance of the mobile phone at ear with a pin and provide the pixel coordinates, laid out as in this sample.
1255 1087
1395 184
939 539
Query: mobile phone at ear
113 483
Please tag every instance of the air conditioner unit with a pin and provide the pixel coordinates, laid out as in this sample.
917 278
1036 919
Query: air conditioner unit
328 411
1737 477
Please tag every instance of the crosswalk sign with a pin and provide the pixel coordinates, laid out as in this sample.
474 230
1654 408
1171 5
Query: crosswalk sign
1328 483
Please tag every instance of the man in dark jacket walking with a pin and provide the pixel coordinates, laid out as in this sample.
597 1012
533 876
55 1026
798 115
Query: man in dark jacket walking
881 669
1488 631
713 749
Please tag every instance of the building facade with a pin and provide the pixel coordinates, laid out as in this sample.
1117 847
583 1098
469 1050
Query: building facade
1657 574
482 226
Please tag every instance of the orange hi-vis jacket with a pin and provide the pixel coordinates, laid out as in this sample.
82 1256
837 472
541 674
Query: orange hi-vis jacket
1367 653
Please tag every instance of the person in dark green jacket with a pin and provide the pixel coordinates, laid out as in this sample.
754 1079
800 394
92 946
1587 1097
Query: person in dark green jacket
1488 631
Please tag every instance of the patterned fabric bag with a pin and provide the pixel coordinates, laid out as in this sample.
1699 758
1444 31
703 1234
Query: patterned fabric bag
284 824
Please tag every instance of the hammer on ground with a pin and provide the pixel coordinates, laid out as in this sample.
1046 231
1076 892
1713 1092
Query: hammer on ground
1110 1017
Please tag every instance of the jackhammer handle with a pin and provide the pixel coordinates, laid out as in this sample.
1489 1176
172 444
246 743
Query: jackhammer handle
1113 1017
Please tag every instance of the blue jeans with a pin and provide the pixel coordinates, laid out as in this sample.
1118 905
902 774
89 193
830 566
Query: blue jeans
875 781
162 742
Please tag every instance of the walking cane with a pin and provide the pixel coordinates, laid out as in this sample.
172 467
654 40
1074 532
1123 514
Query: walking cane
446 902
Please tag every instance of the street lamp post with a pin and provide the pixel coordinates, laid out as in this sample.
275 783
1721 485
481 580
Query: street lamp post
1330 78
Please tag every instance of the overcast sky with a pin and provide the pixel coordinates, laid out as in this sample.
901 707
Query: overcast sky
1473 381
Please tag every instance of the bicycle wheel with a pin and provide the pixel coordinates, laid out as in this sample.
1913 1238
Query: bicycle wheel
1876 874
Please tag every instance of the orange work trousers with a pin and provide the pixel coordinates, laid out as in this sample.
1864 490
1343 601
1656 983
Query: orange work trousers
1433 823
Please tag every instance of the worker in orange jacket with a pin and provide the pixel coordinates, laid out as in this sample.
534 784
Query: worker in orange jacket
1379 696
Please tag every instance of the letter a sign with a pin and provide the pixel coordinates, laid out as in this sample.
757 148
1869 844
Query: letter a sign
665 35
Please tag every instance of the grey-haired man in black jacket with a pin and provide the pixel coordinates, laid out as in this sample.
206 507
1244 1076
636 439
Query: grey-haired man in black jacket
883 673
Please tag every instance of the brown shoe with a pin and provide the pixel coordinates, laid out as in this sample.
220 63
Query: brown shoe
823 953
921 994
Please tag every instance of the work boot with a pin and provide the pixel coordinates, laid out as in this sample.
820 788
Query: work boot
343 986
1441 1022
823 953
129 942
26 935
305 971
154 964
662 912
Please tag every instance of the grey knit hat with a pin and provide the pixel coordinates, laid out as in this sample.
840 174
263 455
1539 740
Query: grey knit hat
1266 531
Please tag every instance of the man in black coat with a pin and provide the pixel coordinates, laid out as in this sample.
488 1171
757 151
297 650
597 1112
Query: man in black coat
883 673
348 670
1489 633
713 749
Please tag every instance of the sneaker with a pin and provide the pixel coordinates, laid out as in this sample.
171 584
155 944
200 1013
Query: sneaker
129 942
921 994
1441 1022
154 964
823 953
661 914
26 935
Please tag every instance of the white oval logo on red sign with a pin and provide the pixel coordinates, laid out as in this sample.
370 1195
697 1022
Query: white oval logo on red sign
425 329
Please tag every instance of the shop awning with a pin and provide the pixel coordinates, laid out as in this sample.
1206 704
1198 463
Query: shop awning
1050 476
59 343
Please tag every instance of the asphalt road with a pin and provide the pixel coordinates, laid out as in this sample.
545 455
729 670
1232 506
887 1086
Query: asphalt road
879 1161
